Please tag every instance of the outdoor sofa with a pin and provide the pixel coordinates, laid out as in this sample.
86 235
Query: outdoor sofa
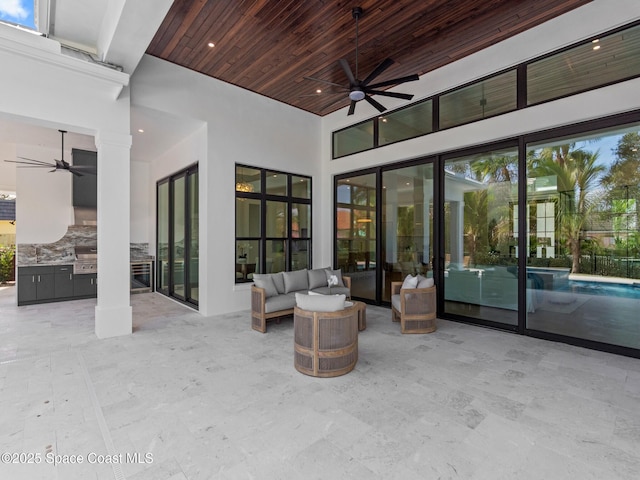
273 294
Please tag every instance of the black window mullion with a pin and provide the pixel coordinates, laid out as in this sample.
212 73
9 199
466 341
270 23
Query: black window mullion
521 86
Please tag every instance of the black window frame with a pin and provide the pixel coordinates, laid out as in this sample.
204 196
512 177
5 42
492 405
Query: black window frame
263 197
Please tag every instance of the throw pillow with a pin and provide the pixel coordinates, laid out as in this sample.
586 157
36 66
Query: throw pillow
410 282
295 281
278 280
317 278
337 273
320 303
265 281
424 282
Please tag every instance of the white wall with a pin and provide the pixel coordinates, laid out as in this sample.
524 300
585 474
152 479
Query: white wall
190 150
7 170
141 203
44 204
240 127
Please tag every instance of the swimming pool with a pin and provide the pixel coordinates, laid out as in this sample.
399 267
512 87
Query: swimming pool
602 288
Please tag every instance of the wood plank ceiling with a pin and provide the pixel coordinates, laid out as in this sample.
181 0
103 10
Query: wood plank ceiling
269 46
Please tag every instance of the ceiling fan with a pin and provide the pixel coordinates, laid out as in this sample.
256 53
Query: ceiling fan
363 89
78 170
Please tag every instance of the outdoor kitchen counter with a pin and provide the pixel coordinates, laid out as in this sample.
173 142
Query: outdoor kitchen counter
53 282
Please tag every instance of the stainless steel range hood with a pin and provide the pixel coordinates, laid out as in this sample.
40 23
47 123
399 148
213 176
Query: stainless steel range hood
85 216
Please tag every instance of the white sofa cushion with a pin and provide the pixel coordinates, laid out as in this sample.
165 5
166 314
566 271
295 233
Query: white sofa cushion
396 302
409 282
424 282
320 303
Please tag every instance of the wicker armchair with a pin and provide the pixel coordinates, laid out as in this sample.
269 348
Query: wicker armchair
414 308
326 343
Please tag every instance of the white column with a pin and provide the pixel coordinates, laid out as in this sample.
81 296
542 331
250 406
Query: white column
113 311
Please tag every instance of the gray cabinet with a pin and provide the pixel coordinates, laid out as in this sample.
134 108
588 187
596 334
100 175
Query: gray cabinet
85 187
35 284
63 275
85 285
53 283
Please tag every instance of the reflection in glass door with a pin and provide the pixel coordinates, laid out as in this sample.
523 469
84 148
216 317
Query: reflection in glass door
407 219
193 250
583 241
480 236
178 231
356 233
162 250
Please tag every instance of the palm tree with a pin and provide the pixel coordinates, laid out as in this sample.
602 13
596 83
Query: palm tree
577 172
496 168
475 223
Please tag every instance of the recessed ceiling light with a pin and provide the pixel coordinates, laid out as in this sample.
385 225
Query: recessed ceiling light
140 130
318 91
597 47
595 41
211 44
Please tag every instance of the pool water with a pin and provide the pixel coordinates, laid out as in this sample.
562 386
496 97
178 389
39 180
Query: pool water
604 289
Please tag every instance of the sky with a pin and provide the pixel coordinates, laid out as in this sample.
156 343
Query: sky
17 11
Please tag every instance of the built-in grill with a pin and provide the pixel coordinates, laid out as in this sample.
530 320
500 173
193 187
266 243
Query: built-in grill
86 259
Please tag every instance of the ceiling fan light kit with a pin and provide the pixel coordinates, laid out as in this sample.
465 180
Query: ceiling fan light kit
364 89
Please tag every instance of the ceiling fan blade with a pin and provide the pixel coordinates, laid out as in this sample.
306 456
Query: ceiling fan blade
396 81
347 70
386 63
327 82
75 172
31 164
32 160
88 169
404 96
381 108
352 107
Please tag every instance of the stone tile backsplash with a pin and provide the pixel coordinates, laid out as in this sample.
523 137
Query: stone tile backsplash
62 251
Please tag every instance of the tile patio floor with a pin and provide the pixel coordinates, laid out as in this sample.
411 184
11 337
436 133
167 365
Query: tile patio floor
209 398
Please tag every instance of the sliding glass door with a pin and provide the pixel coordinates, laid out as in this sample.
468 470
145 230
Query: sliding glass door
177 236
583 240
407 224
356 224
538 234
480 239
162 248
